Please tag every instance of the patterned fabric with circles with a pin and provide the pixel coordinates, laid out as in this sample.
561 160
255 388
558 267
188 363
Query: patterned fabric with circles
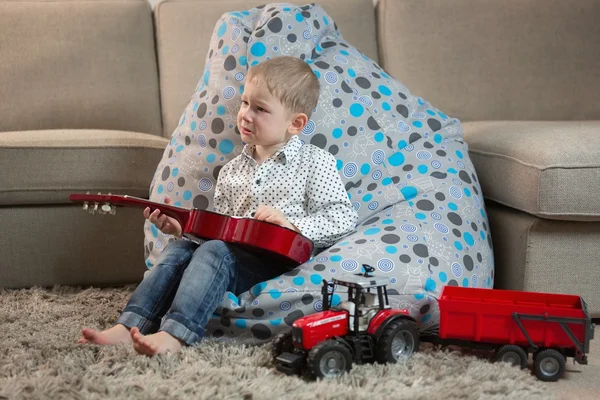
422 220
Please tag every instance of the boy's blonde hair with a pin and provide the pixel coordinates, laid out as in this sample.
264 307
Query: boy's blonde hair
291 81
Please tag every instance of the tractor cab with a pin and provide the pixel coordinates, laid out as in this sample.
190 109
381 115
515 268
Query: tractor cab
367 295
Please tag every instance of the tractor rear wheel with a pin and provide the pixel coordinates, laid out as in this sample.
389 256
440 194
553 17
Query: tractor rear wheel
398 341
329 359
512 354
282 343
549 365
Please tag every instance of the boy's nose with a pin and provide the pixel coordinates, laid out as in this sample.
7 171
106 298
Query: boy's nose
246 115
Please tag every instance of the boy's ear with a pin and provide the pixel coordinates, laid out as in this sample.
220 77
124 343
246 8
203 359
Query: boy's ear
298 123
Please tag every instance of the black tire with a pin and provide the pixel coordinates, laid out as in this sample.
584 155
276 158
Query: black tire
329 359
549 365
399 340
512 354
282 343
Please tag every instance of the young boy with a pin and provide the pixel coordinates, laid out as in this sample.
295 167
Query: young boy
276 178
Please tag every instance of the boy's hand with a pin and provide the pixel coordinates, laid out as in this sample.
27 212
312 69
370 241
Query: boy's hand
270 214
164 223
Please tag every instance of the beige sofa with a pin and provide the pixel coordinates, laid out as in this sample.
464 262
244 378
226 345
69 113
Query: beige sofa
92 90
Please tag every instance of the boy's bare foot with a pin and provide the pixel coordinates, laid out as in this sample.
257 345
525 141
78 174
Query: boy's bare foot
157 343
116 335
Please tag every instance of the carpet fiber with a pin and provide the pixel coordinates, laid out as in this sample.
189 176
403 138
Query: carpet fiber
39 359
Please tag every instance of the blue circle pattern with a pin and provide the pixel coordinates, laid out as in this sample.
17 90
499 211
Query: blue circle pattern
380 142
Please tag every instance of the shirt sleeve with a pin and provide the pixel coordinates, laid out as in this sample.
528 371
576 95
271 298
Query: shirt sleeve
330 213
221 201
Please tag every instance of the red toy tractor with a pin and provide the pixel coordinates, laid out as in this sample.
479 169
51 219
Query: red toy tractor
362 329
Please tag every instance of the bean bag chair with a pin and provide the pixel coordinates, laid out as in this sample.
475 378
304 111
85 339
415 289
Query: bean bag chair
404 163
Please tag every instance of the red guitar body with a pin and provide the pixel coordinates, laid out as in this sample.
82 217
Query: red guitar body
280 244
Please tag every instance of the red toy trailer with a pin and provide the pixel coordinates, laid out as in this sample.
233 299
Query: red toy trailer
551 326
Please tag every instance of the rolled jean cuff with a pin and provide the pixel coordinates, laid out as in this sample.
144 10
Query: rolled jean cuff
131 319
178 326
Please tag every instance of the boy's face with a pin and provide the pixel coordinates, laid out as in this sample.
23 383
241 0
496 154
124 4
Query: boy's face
263 119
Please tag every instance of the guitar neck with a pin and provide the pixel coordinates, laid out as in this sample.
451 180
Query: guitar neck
179 213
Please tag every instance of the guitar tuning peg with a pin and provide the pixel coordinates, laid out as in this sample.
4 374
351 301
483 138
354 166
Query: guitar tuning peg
106 208
113 210
94 208
85 206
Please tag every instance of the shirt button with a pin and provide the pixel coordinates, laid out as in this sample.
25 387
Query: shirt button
258 181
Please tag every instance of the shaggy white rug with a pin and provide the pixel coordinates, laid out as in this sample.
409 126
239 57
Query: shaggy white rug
40 360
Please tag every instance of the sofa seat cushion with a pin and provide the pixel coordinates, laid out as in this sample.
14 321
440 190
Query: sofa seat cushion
44 167
549 169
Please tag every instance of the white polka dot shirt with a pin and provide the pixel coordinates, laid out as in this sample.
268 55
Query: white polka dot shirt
300 180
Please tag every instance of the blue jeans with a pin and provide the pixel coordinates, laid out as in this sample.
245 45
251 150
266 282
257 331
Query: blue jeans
187 284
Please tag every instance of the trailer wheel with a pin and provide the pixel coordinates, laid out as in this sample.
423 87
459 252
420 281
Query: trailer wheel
399 340
512 354
329 359
282 343
549 365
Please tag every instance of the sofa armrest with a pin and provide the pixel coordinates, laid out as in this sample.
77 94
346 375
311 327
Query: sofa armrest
548 169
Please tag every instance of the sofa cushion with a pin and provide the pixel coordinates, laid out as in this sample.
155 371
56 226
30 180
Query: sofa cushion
181 59
78 64
549 169
496 60
44 167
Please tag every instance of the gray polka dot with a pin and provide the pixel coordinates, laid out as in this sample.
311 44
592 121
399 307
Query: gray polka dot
165 174
401 108
421 250
229 63
319 140
291 317
425 205
363 82
307 299
434 124
468 261
455 218
217 125
275 25
390 238
261 331
464 176
372 124
200 202
201 112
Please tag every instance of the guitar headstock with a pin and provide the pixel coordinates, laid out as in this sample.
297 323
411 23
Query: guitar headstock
99 203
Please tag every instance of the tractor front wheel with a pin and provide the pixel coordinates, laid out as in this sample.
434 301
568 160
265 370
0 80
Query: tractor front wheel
398 341
329 359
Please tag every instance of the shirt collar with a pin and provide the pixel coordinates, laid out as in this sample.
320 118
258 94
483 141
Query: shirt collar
289 150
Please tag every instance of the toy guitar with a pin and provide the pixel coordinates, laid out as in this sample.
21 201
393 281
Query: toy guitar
279 243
